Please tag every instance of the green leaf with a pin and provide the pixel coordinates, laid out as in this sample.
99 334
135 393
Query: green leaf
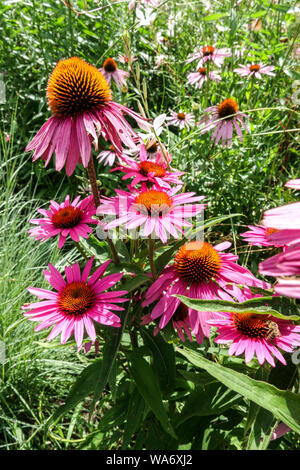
209 400
148 387
256 305
136 282
260 423
199 378
109 355
261 430
136 409
214 17
282 8
284 405
163 359
122 251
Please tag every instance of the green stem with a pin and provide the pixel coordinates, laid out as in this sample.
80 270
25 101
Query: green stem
151 257
93 180
81 250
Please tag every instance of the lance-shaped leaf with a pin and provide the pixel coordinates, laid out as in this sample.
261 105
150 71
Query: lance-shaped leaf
148 386
283 404
257 305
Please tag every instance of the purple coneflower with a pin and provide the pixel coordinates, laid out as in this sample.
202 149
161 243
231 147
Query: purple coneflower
256 334
231 117
65 219
258 236
77 302
110 70
82 107
155 171
199 77
209 53
200 271
181 119
158 211
255 70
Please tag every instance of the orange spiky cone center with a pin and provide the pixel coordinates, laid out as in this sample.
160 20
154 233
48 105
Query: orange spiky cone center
153 203
227 108
76 298
67 217
76 87
197 262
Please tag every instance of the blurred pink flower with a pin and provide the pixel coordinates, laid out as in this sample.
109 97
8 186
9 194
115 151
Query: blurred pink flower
255 70
181 119
228 111
210 53
285 264
280 431
110 70
125 60
258 236
199 77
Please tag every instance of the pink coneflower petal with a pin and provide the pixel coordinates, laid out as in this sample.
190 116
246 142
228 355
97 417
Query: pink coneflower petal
65 219
261 236
200 271
228 112
181 119
255 70
259 335
80 100
154 207
155 171
76 303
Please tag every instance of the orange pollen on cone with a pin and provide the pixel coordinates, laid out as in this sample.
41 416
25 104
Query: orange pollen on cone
271 230
227 108
181 312
67 217
202 70
147 167
208 50
112 148
181 116
197 262
76 298
255 326
153 203
254 68
76 87
110 65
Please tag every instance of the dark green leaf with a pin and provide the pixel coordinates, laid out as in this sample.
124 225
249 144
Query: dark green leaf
284 405
163 359
212 399
148 387
258 305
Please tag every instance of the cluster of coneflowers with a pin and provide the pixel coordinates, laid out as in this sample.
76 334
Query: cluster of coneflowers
224 117
155 209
